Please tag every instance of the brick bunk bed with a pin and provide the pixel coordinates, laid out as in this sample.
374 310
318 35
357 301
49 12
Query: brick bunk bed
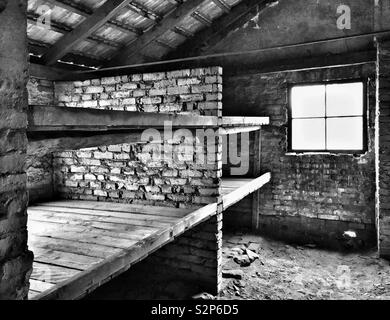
117 204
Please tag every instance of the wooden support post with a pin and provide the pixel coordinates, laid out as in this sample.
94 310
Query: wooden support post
256 172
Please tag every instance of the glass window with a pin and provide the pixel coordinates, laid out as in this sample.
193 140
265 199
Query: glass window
327 117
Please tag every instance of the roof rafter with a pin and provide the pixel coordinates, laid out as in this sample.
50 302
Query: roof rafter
222 5
86 12
202 18
220 28
103 14
144 11
126 54
64 29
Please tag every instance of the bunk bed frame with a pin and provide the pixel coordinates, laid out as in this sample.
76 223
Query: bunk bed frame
80 245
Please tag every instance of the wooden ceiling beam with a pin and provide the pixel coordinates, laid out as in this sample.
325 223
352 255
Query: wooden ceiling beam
183 32
222 5
220 28
86 12
202 18
125 56
101 16
63 119
144 11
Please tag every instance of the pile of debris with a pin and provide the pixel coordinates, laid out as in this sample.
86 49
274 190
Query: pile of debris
245 254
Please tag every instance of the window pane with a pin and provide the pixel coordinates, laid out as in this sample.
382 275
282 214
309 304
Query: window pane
345 133
308 134
344 99
308 101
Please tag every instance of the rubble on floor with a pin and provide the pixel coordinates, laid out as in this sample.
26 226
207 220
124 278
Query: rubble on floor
279 271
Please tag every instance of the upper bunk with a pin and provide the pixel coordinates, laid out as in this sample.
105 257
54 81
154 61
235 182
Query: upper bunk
52 129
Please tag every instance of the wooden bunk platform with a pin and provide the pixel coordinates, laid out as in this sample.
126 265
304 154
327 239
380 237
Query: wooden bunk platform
79 245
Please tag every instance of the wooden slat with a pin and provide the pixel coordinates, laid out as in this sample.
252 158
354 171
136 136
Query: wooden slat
40 286
104 13
134 230
51 274
87 249
105 213
51 225
244 121
120 207
83 237
42 118
40 214
246 189
32 294
64 259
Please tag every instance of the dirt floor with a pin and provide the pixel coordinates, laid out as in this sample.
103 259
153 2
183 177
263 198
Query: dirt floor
272 270
283 271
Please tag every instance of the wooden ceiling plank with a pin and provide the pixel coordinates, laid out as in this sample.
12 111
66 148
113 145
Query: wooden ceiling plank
85 12
169 22
72 7
103 14
222 5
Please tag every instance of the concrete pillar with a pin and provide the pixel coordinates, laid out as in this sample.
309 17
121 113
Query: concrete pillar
15 259
383 147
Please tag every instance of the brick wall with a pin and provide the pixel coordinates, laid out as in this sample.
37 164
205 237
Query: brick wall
196 255
189 265
197 91
383 150
128 172
40 182
15 259
311 197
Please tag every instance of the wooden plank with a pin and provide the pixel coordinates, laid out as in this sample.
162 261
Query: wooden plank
105 213
119 207
128 54
246 189
89 238
235 130
86 28
45 72
52 274
244 121
40 214
51 225
134 230
32 294
87 249
42 118
64 259
43 144
40 286
88 280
